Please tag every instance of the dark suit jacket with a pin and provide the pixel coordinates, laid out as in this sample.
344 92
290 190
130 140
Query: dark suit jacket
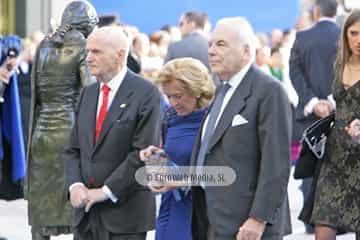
194 45
132 123
258 151
312 66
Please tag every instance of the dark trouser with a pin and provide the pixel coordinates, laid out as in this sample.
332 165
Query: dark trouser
91 227
263 238
305 189
213 236
137 236
200 224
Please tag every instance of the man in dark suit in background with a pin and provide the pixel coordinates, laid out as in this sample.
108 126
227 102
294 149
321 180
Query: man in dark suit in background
312 70
312 64
248 129
116 117
193 43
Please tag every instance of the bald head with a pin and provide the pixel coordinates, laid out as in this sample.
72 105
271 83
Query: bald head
242 28
112 36
108 49
231 47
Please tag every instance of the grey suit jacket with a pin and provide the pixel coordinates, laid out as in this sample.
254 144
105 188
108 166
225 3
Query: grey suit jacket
194 45
259 152
132 123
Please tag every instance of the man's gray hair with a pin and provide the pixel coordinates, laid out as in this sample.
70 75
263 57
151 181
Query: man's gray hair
245 31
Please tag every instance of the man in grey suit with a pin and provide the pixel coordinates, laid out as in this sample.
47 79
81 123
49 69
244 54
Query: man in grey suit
248 128
193 43
115 118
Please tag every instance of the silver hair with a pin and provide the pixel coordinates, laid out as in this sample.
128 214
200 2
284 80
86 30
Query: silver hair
245 31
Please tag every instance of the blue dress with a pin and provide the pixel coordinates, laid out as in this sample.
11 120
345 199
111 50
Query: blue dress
174 220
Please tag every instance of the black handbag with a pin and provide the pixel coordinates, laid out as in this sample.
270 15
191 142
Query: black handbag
313 144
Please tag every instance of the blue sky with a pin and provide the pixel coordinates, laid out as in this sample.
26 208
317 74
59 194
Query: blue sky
150 15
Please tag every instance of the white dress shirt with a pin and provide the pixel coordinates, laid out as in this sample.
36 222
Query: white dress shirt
234 83
114 85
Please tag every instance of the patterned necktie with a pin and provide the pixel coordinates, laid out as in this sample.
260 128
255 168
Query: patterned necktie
210 127
103 111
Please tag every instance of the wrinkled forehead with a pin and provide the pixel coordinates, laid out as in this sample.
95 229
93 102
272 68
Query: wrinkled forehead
105 38
225 32
96 36
98 41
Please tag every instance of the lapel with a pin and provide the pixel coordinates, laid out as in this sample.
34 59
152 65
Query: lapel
92 105
197 143
122 96
236 104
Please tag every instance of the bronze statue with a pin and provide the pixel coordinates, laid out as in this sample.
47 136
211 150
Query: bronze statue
59 72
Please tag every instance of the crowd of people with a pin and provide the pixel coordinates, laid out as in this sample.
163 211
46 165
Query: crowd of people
93 101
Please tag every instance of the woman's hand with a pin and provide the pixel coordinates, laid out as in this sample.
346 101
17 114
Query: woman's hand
161 189
354 130
147 152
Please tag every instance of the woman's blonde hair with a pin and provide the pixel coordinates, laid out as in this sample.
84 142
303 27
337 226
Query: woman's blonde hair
192 75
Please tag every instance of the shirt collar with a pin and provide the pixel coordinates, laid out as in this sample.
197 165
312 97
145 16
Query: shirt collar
322 19
238 77
197 32
116 81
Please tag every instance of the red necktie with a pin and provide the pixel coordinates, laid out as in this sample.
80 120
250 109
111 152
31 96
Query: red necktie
103 111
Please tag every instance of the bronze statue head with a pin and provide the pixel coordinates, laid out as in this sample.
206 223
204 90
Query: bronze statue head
80 15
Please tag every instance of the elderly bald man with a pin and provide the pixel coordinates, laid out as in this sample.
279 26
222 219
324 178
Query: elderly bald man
116 117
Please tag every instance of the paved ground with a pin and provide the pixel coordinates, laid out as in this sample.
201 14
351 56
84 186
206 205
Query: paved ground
13 219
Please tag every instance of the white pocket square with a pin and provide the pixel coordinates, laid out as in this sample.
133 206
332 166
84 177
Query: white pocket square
238 120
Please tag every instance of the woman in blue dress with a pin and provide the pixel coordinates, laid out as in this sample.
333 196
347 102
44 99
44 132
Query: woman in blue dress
189 88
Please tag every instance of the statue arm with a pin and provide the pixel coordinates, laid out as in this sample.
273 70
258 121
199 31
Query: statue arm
84 71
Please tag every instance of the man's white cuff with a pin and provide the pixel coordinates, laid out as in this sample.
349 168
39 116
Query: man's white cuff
74 185
332 100
109 194
309 107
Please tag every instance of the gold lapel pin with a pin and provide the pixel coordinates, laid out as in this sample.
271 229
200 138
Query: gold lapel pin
123 105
